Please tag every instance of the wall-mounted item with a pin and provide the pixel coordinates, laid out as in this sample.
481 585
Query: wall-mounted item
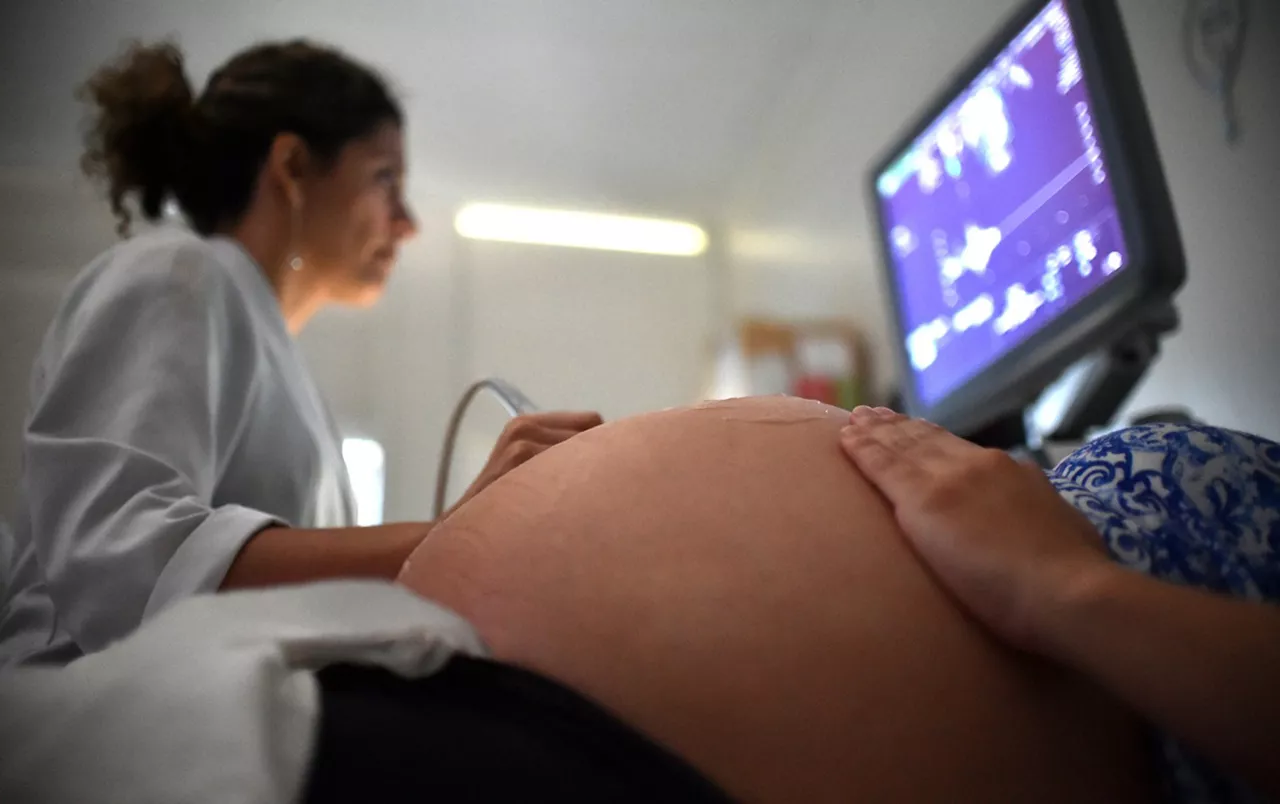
1213 37
825 360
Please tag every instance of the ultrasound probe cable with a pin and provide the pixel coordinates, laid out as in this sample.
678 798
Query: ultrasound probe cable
511 399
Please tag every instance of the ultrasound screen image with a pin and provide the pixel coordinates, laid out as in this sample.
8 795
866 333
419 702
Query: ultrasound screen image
1001 215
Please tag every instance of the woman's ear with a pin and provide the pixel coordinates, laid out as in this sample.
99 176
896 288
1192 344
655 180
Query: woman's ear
287 164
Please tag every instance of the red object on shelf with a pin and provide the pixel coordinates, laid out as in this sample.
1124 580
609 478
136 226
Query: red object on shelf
817 387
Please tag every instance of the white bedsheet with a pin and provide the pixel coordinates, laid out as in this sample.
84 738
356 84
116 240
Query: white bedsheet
213 701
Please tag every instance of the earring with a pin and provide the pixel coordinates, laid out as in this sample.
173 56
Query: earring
295 259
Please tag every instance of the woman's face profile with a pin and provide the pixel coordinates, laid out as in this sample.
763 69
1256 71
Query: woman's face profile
356 217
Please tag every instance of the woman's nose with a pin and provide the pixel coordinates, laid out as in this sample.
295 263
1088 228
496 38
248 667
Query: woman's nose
405 224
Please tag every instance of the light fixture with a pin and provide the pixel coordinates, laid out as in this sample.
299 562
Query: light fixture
560 227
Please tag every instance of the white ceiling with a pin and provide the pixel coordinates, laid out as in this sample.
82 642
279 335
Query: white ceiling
676 107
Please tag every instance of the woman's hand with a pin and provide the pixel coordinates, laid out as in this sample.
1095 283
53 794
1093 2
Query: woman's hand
1198 665
524 437
994 531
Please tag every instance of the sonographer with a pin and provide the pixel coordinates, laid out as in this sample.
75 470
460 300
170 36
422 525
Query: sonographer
176 443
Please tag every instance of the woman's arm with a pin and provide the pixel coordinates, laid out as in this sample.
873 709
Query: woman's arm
1204 667
281 555
1031 568
277 556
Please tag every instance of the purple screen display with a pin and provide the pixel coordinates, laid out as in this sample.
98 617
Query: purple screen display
1001 215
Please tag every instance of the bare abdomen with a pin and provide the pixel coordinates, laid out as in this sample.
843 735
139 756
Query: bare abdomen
723 579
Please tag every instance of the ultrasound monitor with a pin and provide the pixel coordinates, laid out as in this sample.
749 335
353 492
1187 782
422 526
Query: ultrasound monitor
1023 219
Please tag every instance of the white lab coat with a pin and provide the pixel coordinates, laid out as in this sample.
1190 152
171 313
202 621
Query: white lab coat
172 418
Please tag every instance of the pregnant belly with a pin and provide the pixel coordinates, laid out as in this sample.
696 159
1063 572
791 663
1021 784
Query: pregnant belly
722 579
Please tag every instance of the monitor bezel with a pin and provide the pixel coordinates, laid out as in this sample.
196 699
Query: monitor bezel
1156 266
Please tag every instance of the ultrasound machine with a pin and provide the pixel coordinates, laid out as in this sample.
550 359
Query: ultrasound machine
1030 246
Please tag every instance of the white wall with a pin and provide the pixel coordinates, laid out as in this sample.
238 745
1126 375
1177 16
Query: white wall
799 230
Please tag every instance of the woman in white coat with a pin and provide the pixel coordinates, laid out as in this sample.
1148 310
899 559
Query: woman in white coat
176 443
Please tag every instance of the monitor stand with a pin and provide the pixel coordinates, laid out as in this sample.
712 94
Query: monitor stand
1008 433
1088 395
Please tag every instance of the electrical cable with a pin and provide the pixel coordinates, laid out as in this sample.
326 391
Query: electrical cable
511 399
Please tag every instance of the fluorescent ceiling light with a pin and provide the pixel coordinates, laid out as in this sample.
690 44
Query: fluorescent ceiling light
559 227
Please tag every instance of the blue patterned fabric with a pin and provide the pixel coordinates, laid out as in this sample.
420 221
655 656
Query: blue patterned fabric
1192 505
